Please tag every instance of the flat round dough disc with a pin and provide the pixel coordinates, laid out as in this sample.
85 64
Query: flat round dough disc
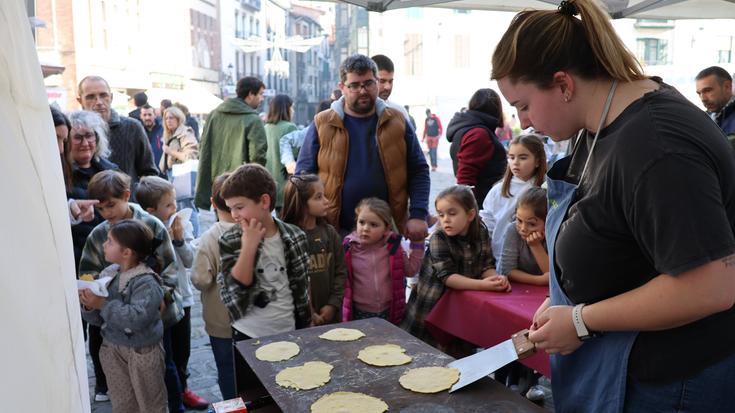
342 334
278 351
384 355
348 402
429 379
309 375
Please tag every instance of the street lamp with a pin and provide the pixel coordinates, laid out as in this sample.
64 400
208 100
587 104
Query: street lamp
227 82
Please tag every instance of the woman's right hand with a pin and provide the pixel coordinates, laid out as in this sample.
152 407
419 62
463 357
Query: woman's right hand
541 309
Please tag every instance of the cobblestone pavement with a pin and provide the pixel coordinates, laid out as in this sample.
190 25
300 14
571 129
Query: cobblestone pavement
203 373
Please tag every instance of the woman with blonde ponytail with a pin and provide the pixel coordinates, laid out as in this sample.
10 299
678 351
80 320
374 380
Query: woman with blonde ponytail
641 221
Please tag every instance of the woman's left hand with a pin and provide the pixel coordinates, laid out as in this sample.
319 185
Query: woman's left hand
556 332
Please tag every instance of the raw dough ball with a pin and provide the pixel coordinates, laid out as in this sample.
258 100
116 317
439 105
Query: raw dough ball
384 355
429 379
348 402
278 351
342 334
308 376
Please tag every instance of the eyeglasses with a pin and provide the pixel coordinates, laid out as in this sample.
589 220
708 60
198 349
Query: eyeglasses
89 137
356 86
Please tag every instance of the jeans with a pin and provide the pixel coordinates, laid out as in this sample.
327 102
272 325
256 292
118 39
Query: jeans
432 157
223 358
95 342
362 315
173 386
708 391
181 346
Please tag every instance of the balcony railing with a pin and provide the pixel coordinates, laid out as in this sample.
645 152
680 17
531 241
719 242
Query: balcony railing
253 4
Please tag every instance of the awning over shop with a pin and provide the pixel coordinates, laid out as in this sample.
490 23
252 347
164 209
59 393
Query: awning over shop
51 69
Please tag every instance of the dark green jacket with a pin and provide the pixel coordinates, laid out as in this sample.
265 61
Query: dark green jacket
233 135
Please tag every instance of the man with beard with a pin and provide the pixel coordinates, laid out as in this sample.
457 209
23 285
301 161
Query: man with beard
714 87
153 129
362 148
385 82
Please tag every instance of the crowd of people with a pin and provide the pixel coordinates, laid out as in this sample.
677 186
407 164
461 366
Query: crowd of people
632 232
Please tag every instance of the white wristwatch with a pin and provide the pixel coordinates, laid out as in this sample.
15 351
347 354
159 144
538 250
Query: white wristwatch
582 332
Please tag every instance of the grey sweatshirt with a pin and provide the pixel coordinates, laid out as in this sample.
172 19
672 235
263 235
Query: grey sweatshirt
130 316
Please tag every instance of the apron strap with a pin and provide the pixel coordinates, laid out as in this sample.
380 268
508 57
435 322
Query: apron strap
605 111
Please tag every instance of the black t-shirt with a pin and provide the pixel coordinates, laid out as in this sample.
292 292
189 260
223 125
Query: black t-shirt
658 198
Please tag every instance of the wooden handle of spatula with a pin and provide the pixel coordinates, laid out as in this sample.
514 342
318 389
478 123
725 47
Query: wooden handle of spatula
524 347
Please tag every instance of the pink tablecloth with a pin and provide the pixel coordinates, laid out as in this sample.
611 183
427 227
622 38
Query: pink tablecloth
486 318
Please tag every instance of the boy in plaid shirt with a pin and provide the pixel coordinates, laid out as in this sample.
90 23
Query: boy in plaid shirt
263 264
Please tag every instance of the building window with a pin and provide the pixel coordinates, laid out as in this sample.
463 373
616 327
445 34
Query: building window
461 51
413 50
652 51
237 24
724 49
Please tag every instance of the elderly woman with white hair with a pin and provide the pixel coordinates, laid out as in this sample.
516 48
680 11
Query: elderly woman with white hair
88 148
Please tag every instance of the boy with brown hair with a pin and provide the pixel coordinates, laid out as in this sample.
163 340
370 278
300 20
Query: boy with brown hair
264 263
158 197
204 276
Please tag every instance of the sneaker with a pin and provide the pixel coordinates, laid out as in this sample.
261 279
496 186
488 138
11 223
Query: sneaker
433 169
193 401
101 397
535 393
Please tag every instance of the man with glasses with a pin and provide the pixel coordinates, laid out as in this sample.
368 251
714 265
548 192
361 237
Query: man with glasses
362 148
128 141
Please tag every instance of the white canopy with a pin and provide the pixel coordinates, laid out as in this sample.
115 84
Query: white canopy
642 9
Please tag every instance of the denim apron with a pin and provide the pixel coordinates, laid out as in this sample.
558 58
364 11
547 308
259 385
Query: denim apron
593 377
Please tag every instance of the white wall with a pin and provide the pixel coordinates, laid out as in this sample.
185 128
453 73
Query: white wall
42 347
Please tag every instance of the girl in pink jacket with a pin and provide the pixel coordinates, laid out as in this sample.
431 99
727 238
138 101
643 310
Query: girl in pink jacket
377 265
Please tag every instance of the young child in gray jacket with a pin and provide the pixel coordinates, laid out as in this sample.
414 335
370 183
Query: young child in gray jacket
132 355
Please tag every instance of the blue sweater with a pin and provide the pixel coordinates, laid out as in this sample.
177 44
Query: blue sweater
364 174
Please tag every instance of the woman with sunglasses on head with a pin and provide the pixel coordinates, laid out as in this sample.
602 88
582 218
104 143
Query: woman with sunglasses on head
640 224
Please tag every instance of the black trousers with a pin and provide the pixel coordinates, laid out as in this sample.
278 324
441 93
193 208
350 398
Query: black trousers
95 342
181 346
247 383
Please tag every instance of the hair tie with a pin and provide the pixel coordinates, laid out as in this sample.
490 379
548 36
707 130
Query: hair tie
568 8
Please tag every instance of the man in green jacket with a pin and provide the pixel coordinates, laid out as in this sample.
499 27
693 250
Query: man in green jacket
233 135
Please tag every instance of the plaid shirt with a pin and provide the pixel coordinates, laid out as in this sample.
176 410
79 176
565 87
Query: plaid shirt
93 257
237 297
445 256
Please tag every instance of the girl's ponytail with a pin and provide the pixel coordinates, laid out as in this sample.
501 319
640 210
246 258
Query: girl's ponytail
539 43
